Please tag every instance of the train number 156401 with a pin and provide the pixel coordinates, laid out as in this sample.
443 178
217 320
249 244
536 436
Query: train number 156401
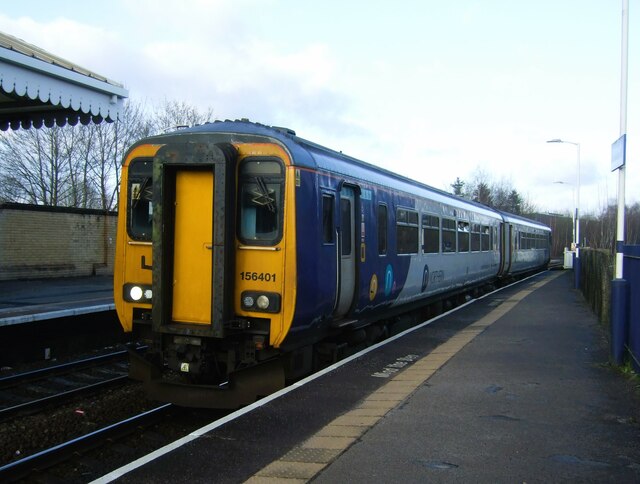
258 276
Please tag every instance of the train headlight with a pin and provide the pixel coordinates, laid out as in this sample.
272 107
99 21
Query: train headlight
262 302
137 293
265 302
248 301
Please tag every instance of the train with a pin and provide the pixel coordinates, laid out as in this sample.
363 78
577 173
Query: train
246 256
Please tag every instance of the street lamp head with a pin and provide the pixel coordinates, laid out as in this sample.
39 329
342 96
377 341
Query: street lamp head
558 140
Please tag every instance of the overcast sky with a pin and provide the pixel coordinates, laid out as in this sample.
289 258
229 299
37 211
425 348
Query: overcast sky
432 89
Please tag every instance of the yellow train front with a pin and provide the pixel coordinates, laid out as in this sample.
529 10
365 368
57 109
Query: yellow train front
209 297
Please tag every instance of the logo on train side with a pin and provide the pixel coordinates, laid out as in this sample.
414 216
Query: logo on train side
425 277
373 287
388 280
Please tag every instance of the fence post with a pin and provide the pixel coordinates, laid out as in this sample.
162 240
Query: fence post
619 326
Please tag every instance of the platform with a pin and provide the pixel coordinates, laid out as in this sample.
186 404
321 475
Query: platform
38 300
513 387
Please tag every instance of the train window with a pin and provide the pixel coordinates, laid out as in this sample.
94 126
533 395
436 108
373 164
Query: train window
486 243
140 176
345 221
407 231
542 241
260 201
327 219
475 237
382 229
449 243
430 234
463 236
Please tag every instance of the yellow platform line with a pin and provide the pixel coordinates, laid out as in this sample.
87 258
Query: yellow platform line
307 460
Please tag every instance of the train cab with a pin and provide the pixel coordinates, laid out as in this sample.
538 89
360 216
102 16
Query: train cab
204 254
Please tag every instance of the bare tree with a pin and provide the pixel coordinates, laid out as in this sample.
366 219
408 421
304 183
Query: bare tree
35 166
633 224
170 115
74 166
104 148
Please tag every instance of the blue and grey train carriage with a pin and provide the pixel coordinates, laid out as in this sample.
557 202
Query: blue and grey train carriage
245 254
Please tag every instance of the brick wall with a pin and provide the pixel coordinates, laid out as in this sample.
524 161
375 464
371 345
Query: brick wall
39 242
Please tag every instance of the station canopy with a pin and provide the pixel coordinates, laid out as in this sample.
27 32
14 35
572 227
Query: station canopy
40 89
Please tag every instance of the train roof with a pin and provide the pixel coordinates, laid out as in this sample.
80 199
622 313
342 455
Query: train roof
308 154
517 219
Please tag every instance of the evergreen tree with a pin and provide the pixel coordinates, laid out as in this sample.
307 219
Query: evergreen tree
457 186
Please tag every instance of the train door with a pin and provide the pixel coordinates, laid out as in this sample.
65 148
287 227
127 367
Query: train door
193 234
506 249
347 251
192 256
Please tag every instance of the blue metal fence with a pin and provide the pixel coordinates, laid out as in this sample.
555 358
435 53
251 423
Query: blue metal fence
631 270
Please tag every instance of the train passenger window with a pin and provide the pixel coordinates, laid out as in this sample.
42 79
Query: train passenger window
345 222
449 243
260 188
486 243
382 229
407 231
327 219
463 236
140 208
541 241
475 237
430 234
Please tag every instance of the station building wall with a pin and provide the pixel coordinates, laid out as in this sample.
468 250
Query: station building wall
40 242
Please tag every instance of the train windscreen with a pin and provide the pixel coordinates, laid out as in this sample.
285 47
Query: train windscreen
260 202
140 195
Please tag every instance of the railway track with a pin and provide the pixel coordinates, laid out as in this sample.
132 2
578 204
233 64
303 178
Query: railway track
40 462
29 392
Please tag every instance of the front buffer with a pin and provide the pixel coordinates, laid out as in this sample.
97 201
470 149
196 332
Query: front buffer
244 387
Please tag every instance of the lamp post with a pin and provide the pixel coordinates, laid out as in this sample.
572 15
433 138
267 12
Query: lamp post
576 262
573 224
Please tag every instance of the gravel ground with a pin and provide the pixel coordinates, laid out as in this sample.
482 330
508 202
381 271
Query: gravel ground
27 435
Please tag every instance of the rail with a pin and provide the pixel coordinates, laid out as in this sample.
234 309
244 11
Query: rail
17 399
44 459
